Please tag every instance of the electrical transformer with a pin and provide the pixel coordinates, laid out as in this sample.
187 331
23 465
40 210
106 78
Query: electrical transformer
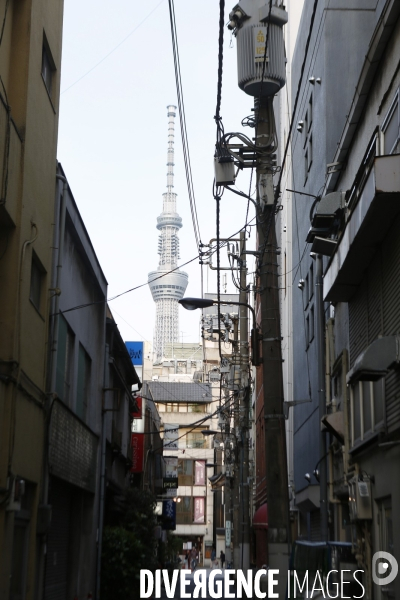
251 21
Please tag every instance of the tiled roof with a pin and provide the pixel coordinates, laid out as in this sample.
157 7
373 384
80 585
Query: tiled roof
179 391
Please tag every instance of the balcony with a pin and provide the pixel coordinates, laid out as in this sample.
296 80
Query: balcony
10 161
373 215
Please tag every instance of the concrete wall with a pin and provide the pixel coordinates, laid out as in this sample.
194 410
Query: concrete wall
26 215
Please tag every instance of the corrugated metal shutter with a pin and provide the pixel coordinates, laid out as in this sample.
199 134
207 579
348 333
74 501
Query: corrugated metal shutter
392 395
56 578
391 316
391 276
375 310
375 320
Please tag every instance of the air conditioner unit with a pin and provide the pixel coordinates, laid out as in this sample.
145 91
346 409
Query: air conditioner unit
327 209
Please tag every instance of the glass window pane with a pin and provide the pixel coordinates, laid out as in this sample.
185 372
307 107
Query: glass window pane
185 472
391 131
366 387
197 408
356 412
378 387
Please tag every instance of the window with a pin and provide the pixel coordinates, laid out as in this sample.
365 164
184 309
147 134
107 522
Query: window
82 392
191 472
48 67
391 128
199 472
190 510
311 330
196 408
185 472
310 152
311 281
65 354
310 113
306 292
305 165
308 139
182 407
184 511
367 414
195 440
37 280
199 509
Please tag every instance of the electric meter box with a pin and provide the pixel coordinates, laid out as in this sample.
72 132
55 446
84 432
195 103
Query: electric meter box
360 501
224 172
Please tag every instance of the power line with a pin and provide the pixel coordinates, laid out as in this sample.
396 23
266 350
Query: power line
79 306
114 49
182 119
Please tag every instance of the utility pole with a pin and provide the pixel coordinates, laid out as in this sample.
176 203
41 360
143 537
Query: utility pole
236 368
244 408
258 27
274 426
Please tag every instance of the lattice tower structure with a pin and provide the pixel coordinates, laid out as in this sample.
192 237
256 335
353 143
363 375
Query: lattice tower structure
171 287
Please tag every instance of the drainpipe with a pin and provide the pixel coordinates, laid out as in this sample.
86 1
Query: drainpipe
102 474
323 490
53 370
57 290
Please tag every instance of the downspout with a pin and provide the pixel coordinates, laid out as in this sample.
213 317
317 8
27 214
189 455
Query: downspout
323 490
102 475
57 290
53 368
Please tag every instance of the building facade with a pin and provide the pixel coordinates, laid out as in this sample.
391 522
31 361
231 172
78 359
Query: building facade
339 36
186 410
346 153
30 62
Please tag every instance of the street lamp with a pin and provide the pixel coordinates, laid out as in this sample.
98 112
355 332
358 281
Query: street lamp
193 303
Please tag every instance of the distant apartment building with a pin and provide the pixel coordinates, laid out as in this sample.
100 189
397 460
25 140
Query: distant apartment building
187 408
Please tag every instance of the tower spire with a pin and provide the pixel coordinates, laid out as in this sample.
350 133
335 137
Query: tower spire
166 287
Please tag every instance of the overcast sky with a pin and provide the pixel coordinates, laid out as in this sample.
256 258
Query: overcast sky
113 140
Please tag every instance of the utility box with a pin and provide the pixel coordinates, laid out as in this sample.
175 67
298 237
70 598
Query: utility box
224 170
360 501
252 22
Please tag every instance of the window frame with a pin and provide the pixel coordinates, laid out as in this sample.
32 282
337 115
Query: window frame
83 383
365 434
394 107
38 269
48 68
65 376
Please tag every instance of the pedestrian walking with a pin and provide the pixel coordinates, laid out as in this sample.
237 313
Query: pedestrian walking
194 558
214 562
222 558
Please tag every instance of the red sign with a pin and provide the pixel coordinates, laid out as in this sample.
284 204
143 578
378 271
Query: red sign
138 414
137 442
199 472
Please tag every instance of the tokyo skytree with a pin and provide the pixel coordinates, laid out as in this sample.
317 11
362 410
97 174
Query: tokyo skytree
167 290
